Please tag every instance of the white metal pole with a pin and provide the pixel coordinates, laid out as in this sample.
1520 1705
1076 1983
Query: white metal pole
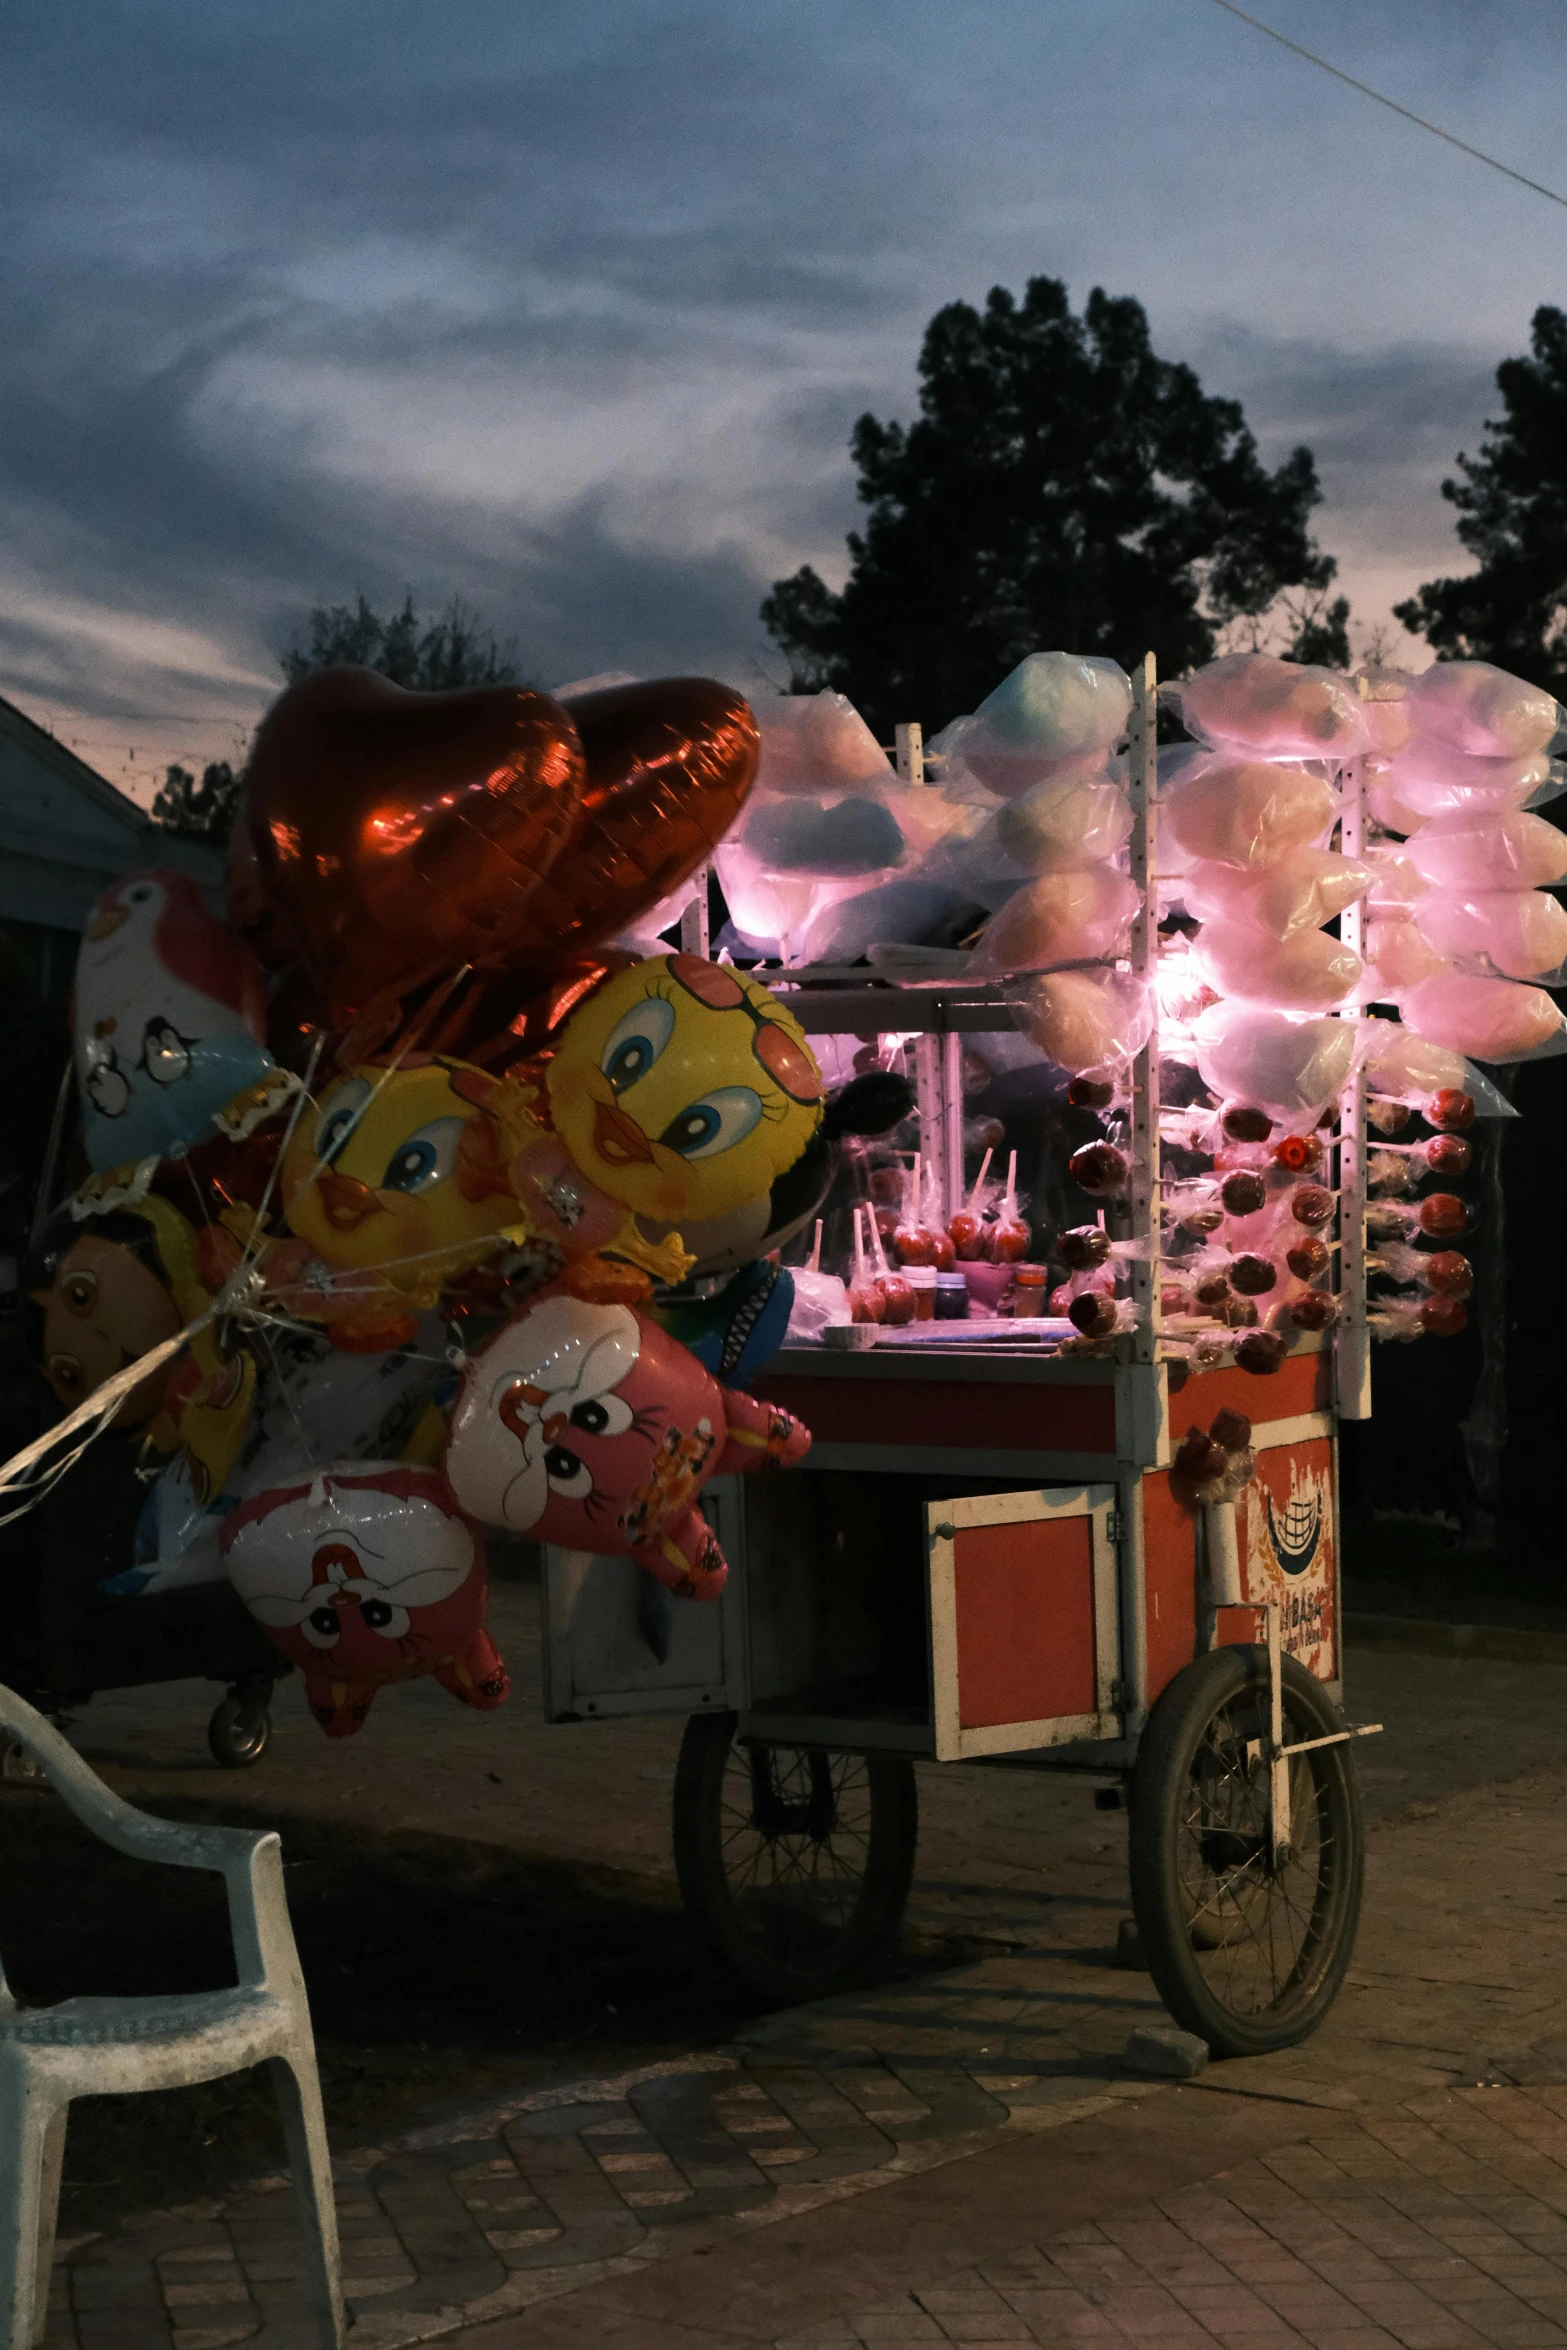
1143 784
1352 1338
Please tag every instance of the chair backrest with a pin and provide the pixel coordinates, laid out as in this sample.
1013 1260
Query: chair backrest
109 1816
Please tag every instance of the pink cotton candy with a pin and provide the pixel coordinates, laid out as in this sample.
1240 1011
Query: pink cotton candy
1508 850
1288 1067
1395 878
1482 710
1398 956
1307 889
816 742
1086 1019
1284 708
1489 1019
1061 918
1064 824
1307 972
1406 1067
1390 812
1428 766
1243 813
1522 932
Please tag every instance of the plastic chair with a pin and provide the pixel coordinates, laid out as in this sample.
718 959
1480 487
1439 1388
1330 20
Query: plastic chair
101 2047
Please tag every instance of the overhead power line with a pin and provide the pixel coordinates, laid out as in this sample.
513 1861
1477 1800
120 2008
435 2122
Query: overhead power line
1392 105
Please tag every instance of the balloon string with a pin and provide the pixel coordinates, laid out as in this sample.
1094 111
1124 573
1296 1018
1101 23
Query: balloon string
253 1245
101 1405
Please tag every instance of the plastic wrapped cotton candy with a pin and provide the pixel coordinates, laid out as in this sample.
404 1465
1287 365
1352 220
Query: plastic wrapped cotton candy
1521 933
856 836
816 743
1086 1019
775 907
1396 881
1407 1067
1240 812
1506 850
1397 956
1432 778
1482 710
1062 824
1061 918
1052 706
1491 1019
915 912
1282 709
1289 1067
1306 972
1308 889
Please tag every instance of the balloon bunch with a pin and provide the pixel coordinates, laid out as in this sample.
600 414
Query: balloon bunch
461 1128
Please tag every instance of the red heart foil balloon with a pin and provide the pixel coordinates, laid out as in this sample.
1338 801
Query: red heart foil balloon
401 835
669 764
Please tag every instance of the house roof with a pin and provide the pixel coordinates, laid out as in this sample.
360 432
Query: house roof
66 832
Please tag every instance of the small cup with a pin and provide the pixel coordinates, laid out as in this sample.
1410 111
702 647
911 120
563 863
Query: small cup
922 1280
987 1285
951 1297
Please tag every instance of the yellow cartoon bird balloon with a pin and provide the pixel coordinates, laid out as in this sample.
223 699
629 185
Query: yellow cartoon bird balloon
684 1088
678 1091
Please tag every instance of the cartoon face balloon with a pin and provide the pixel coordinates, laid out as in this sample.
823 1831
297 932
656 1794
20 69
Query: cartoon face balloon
399 1178
168 1017
98 1300
684 1088
366 1576
589 1426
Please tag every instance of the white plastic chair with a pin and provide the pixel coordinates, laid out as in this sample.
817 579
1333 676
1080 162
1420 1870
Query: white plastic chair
101 2047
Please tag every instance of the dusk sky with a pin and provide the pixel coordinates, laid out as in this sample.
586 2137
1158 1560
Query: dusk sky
570 310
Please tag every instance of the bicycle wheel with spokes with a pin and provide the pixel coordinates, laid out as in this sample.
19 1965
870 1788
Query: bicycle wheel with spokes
1247 1947
794 1862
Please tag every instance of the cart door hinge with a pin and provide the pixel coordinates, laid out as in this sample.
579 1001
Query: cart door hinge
1115 1526
1120 1698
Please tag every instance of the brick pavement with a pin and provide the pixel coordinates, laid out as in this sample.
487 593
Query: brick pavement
874 2154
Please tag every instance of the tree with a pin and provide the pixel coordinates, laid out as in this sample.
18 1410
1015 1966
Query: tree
199 811
1512 516
1063 487
430 657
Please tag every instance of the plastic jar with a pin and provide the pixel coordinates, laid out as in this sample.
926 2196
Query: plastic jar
1030 1291
951 1298
922 1279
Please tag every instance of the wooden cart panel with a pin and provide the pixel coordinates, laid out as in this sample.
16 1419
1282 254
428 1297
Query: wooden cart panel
1023 1620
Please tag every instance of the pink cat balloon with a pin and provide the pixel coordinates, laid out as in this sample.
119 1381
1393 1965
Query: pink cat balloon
367 1575
589 1426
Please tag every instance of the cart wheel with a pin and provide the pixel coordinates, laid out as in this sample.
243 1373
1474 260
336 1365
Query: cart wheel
794 1863
1246 1954
240 1729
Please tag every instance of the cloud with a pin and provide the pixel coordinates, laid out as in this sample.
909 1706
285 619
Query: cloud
571 311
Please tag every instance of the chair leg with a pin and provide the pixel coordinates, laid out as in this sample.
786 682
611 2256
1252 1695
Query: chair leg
32 2151
304 2131
51 2170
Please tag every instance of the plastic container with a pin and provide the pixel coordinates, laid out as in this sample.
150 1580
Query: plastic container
987 1285
922 1279
952 1296
1030 1291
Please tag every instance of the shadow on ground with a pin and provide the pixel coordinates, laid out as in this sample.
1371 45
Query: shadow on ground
441 1973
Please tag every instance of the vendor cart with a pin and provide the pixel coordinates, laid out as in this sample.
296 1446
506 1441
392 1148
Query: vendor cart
984 1561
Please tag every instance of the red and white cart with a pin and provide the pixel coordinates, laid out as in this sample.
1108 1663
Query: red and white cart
984 1559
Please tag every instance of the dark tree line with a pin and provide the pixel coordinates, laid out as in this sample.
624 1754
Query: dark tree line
1062 486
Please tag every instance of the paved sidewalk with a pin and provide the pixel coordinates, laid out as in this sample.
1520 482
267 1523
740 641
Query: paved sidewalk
849 2165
